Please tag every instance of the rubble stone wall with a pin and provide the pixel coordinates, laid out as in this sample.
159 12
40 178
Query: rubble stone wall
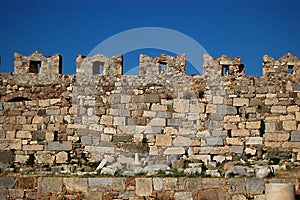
161 118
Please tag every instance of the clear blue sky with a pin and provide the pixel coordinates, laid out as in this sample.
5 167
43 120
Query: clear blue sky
246 28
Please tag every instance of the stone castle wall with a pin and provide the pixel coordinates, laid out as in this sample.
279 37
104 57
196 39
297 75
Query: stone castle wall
159 119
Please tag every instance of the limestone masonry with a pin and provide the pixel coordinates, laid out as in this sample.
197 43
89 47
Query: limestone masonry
99 121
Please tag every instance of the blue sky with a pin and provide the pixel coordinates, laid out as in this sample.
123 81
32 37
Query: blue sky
246 28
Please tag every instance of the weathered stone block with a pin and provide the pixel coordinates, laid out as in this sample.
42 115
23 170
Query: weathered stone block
236 185
157 183
16 193
182 141
26 182
163 140
60 146
254 140
255 186
157 122
61 157
122 138
76 184
7 144
174 151
53 112
152 98
224 109
33 147
174 122
237 149
50 184
194 183
214 141
106 120
38 136
6 156
278 109
289 125
240 102
143 186
240 133
295 136
183 195
181 105
7 182
119 121
253 125
100 182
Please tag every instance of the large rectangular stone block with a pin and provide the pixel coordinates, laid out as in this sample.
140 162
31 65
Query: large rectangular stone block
76 184
50 184
240 102
157 122
8 144
143 186
7 182
163 140
289 125
152 98
214 141
278 109
255 186
174 151
240 133
60 146
295 136
254 140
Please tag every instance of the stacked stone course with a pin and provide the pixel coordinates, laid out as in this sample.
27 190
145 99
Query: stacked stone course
159 119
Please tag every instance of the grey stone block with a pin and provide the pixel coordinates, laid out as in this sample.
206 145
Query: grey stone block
86 140
7 182
162 114
214 125
53 112
152 98
50 184
224 109
217 141
6 156
174 122
217 117
236 185
59 146
295 136
255 186
100 182
38 136
122 138
262 90
296 88
219 133
3 194
237 149
157 183
124 112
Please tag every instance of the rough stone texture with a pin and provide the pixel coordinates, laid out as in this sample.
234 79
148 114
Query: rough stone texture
7 182
136 188
143 186
255 186
163 114
50 184
59 146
